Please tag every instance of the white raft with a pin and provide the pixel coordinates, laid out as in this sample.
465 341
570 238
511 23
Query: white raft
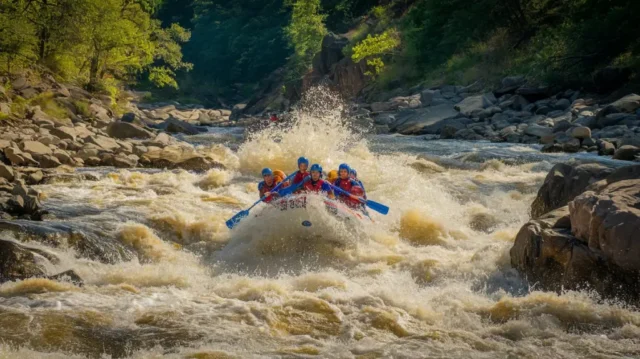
304 207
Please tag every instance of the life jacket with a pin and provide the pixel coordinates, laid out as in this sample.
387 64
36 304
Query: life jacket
319 186
347 185
263 187
298 179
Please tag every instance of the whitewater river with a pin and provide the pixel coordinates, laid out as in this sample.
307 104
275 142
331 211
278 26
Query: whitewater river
165 277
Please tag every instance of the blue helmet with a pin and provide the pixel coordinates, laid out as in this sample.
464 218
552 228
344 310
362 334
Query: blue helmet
353 172
316 167
344 166
302 160
267 172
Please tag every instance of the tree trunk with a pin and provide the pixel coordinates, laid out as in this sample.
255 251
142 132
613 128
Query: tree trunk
93 73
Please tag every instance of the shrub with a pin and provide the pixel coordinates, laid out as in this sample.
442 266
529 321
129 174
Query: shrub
49 105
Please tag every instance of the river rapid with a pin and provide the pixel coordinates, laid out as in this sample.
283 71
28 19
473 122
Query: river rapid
164 277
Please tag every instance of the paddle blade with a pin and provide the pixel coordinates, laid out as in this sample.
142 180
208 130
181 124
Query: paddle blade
237 218
378 207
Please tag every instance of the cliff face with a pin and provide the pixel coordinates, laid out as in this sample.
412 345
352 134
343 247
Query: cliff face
330 68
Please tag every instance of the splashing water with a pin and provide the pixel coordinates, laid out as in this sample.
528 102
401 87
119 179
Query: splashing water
431 279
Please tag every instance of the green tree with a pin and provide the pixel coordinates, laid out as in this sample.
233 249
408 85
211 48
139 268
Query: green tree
305 33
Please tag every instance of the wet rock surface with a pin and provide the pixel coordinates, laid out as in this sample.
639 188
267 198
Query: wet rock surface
590 242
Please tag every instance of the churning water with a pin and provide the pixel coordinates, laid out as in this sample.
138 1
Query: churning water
165 277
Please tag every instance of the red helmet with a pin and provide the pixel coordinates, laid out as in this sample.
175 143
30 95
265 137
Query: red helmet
357 191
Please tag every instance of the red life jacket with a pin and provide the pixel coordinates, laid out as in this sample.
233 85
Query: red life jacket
347 185
263 187
299 177
314 187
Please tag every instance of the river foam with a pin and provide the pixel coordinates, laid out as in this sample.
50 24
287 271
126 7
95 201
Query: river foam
431 279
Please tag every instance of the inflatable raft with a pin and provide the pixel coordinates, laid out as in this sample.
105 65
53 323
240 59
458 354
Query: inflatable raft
300 206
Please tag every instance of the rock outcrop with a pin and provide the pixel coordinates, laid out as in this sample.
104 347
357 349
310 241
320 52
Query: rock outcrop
593 241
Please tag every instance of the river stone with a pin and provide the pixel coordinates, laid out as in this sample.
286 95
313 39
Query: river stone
626 153
123 130
64 132
17 262
35 148
628 104
104 142
425 120
473 105
6 172
605 148
538 131
581 132
49 161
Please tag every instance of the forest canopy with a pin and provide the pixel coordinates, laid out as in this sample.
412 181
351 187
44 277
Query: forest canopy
213 49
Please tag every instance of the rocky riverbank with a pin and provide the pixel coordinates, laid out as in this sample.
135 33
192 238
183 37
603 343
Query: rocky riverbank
584 231
515 111
47 129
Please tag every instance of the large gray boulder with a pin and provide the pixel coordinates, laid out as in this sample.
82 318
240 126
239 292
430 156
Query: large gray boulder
538 131
473 105
424 120
123 130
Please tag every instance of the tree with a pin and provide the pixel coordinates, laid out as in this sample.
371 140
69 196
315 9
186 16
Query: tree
305 33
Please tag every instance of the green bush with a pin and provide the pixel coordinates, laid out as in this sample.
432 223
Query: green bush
49 105
82 108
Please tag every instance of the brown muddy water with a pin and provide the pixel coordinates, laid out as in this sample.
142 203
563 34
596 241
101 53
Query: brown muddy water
164 277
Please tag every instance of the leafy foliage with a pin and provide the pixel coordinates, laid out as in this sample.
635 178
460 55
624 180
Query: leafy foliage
91 40
374 47
305 33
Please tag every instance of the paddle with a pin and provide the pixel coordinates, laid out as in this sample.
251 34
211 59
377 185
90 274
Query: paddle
242 214
378 207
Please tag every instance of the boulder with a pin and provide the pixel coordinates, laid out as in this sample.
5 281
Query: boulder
627 104
64 132
103 142
581 132
592 242
605 148
6 172
538 131
424 120
609 221
473 105
17 262
427 96
626 153
563 183
49 161
510 84
562 104
35 148
533 93
100 114
124 130
173 125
